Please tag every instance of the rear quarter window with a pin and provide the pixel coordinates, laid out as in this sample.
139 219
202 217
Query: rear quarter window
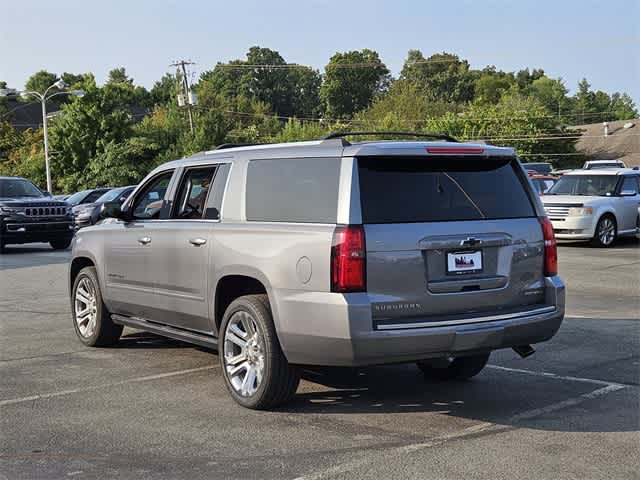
301 190
439 189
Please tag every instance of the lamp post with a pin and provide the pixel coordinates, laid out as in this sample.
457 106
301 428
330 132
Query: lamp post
43 97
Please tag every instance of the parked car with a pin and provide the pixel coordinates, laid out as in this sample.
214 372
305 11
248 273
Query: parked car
543 168
63 196
89 213
27 215
593 205
597 164
542 183
326 253
86 196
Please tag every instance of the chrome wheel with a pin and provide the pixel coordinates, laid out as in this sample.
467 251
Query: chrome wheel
86 308
606 231
243 354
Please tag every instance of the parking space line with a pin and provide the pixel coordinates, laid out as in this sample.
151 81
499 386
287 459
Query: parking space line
556 376
41 396
570 402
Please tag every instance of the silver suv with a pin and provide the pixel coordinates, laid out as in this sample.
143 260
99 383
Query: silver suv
326 253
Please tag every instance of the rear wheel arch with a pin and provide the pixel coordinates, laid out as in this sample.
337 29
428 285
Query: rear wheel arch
231 287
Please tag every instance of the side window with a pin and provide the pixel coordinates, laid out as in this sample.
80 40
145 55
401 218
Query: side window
93 196
148 202
214 202
630 183
194 190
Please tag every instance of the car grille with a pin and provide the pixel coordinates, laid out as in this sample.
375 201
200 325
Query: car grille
45 211
556 211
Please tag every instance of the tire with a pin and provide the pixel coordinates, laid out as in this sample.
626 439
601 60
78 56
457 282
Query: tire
255 370
461 368
60 244
606 231
96 329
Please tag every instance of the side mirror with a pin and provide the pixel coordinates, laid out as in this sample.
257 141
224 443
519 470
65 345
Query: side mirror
627 193
113 210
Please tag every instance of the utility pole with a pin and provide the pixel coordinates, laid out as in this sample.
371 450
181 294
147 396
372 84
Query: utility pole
188 95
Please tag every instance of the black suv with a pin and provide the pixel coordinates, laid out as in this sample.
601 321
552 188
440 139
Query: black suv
28 215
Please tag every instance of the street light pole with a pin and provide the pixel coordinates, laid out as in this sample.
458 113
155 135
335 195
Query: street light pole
43 101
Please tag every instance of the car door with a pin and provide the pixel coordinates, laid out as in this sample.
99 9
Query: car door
182 261
130 287
629 201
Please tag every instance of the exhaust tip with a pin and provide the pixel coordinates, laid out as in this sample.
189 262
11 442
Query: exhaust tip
524 350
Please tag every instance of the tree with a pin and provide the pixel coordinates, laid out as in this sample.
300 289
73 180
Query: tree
489 88
164 90
3 84
404 107
524 78
351 81
40 81
119 76
84 128
265 76
623 107
551 93
442 77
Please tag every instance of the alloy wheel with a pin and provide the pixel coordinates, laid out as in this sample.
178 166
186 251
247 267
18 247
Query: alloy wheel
86 307
243 354
606 231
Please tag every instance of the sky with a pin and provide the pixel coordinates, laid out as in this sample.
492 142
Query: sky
571 39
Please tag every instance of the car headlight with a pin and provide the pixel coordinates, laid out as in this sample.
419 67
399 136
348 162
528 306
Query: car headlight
82 212
580 211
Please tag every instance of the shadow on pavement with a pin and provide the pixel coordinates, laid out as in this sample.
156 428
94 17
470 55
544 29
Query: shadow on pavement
625 243
31 255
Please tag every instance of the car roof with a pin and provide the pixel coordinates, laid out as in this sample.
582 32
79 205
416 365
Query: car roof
604 171
604 161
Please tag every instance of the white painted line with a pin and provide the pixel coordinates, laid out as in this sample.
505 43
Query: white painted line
570 402
106 385
480 427
555 376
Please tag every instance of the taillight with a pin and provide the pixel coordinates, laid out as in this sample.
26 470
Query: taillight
348 259
550 248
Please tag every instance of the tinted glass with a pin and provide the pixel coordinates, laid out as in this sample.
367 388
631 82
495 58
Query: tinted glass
293 190
95 195
194 190
214 202
113 195
589 185
77 197
437 189
12 188
630 183
542 168
149 201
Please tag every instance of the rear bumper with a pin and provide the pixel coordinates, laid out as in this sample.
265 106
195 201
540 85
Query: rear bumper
342 333
574 228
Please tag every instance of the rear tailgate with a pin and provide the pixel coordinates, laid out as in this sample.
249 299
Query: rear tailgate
449 238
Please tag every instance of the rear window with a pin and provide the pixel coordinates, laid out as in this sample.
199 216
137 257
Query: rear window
440 189
301 190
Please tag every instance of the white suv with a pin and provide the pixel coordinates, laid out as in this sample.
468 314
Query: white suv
597 205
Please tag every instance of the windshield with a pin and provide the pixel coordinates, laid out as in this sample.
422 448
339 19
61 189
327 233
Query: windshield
17 187
543 168
112 195
77 197
589 185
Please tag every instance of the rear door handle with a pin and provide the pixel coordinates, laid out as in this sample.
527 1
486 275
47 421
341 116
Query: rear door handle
196 242
144 240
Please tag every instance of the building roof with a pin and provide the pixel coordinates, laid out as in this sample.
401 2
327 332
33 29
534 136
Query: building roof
620 143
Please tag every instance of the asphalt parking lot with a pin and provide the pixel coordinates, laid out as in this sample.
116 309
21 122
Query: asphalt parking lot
154 408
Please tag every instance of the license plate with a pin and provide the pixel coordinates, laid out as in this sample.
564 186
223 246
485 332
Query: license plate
464 262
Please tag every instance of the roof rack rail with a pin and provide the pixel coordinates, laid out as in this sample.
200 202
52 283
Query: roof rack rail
437 136
224 146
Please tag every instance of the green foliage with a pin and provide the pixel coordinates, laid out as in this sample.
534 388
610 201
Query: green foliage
117 132
40 81
348 87
442 77
404 107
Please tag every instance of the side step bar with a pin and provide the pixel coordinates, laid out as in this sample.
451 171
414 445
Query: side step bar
167 331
